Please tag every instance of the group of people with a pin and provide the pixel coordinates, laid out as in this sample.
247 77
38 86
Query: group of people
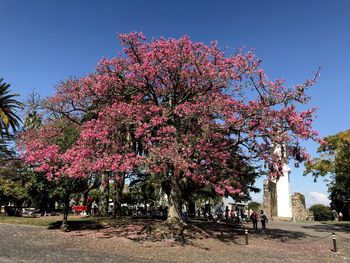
231 216
254 216
337 216
235 215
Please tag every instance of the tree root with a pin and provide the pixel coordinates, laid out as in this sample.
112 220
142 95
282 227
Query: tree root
174 229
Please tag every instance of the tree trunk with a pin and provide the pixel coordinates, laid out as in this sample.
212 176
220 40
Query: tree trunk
42 209
64 226
175 201
85 197
43 205
118 186
104 201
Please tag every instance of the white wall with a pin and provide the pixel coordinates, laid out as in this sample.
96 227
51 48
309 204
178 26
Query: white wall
284 203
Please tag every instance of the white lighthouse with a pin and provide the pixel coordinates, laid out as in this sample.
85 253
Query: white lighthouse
284 206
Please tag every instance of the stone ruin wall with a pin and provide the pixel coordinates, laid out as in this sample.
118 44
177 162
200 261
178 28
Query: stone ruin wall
299 211
270 199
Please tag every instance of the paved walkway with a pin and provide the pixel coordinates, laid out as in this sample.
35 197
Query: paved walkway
303 242
309 229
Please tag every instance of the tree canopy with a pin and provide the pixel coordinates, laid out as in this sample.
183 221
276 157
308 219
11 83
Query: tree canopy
334 159
321 212
181 111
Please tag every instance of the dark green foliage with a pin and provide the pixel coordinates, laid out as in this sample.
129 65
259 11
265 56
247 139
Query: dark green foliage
33 120
96 194
12 188
11 192
334 160
245 173
144 189
68 136
254 206
38 189
62 188
321 212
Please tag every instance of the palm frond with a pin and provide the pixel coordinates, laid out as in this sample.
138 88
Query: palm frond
8 106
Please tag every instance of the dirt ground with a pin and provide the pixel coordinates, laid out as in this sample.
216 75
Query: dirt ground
204 242
281 242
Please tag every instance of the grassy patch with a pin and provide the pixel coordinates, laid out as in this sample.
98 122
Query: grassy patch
37 221
75 222
45 221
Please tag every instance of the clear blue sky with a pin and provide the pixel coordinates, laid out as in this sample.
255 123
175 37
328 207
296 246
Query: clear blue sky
43 42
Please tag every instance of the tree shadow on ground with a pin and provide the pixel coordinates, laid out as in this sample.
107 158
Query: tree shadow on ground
78 225
324 227
155 230
218 231
279 234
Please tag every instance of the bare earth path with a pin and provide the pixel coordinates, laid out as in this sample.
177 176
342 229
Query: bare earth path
20 243
281 242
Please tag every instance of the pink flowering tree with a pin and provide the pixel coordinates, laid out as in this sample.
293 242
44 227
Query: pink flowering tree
181 111
104 148
42 148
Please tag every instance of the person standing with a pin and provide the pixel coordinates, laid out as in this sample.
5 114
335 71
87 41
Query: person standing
184 212
254 218
335 215
263 219
94 208
340 215
233 216
90 201
219 212
227 212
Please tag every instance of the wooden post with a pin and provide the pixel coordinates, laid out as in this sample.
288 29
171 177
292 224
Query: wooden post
334 243
246 237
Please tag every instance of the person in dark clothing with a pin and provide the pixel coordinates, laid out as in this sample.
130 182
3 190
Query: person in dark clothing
254 217
227 212
263 219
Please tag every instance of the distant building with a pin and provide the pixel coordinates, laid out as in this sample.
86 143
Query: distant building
232 204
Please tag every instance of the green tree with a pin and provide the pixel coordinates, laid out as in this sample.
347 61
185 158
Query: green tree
254 206
38 189
146 189
62 190
321 212
334 160
12 190
8 106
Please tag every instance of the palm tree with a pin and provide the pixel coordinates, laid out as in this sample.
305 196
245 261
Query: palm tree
8 105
